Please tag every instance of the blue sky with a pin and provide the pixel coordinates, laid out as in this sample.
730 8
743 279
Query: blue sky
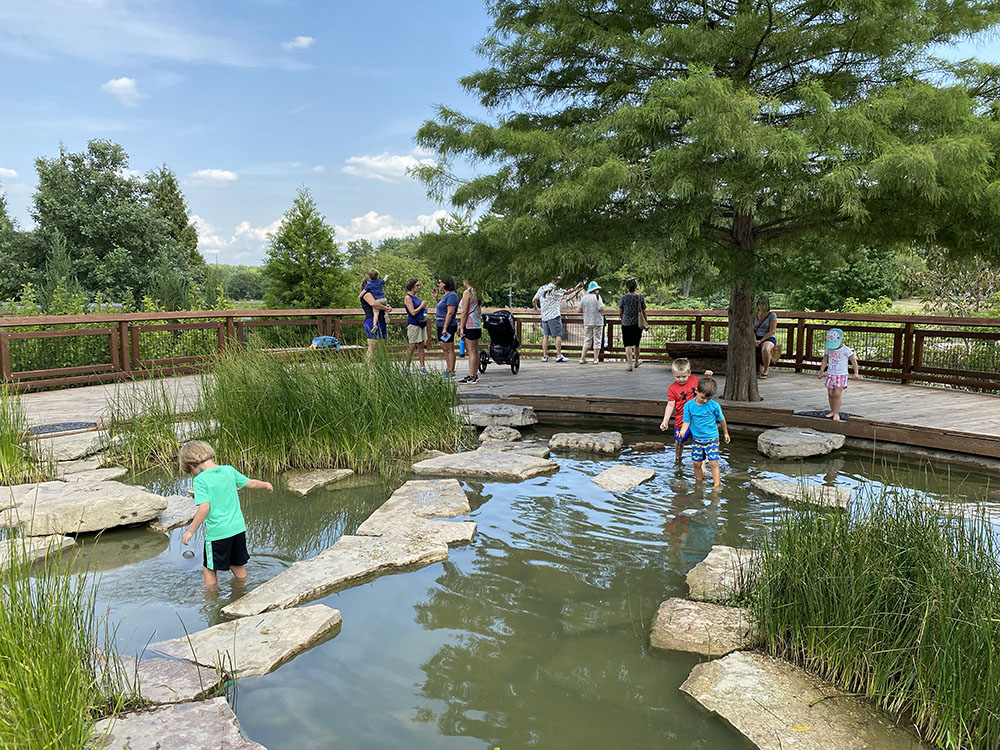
245 100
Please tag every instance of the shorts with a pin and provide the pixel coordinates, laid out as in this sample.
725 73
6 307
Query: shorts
452 329
678 438
375 330
593 337
552 327
415 334
705 449
631 335
223 553
836 381
473 334
772 339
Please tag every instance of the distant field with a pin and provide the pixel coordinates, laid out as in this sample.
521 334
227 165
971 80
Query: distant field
248 304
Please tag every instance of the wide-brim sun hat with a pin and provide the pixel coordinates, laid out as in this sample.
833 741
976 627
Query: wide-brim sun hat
834 338
593 286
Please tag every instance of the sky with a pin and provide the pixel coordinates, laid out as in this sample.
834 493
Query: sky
246 100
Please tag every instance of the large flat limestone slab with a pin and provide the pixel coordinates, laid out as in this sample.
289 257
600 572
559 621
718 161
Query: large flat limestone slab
410 513
498 433
797 442
255 645
838 498
700 627
302 483
722 574
210 725
609 443
32 548
486 464
621 478
71 447
96 475
500 415
179 512
778 706
350 560
78 507
160 680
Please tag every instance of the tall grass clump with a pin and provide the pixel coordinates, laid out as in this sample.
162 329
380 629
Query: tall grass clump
19 460
269 413
50 689
140 430
900 604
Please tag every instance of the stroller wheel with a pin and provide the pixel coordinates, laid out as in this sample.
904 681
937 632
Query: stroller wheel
515 363
484 360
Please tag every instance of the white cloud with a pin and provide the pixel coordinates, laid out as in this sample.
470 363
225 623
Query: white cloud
8 174
385 167
376 227
124 90
318 169
246 244
213 177
299 42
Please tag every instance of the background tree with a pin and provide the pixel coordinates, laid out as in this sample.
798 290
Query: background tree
740 129
168 202
304 266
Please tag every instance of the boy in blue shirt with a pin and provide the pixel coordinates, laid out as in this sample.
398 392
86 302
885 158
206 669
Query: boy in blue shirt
703 416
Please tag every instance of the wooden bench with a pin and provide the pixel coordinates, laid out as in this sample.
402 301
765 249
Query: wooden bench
709 355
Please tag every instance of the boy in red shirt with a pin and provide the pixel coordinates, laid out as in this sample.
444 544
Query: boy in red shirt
679 393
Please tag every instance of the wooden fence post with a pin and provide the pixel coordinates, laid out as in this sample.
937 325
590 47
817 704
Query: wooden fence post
124 356
907 353
800 344
5 356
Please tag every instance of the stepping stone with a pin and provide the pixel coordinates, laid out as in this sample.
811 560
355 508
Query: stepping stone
797 442
498 433
65 468
500 415
161 680
777 706
589 442
79 507
538 450
350 560
423 455
302 483
33 548
649 446
209 725
409 513
810 494
179 512
621 477
700 627
723 574
96 475
255 645
71 447
486 464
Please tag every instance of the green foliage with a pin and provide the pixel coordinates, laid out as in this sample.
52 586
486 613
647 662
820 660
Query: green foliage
961 287
395 259
824 283
304 266
168 202
900 603
876 306
239 282
140 426
270 413
19 459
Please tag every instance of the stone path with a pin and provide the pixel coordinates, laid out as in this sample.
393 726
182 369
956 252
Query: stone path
209 725
721 575
496 415
486 463
700 627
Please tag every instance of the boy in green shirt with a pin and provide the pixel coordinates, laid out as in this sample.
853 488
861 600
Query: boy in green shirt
218 507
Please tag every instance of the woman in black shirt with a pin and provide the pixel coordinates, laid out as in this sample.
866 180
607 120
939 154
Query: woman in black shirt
631 305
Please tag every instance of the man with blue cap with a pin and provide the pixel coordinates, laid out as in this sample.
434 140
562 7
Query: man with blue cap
592 307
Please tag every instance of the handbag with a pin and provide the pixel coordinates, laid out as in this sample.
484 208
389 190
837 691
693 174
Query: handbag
643 320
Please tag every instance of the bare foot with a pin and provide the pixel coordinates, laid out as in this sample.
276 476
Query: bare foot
828 415
836 417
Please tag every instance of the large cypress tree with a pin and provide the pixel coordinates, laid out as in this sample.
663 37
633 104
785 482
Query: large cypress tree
661 128
166 198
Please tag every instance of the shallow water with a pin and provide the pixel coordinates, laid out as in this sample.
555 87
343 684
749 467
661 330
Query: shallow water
535 635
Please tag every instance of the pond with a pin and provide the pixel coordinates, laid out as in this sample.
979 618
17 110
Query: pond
535 635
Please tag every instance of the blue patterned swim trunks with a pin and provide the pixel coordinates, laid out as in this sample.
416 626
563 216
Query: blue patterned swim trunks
705 449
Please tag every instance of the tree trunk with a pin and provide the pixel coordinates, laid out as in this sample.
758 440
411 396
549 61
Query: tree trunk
741 357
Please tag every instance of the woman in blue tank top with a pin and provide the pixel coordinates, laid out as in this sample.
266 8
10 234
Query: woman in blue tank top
416 323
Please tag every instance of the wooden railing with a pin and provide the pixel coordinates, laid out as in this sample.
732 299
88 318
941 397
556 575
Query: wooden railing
51 351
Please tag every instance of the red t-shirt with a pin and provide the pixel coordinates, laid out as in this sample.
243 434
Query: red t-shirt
681 394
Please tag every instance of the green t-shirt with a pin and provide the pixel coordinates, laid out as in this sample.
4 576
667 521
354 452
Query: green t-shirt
218 486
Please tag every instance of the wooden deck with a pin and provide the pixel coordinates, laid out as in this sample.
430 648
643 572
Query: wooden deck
926 417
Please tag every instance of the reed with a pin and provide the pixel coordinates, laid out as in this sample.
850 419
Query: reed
19 459
269 413
900 604
52 689
140 431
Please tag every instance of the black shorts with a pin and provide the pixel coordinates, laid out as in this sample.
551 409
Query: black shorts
223 553
452 329
472 334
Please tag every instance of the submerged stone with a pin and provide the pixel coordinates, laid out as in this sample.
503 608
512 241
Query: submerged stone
621 478
500 415
302 483
71 447
208 725
797 442
79 507
700 627
499 433
486 464
255 645
777 706
809 494
649 446
32 548
179 512
723 574
589 442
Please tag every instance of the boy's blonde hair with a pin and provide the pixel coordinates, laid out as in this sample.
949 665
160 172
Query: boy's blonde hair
681 366
193 453
707 387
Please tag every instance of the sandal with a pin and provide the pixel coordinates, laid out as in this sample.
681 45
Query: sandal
763 376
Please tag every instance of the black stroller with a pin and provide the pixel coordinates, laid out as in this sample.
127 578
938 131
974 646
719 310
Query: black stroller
503 341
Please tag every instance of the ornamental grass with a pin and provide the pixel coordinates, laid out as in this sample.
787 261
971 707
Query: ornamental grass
900 604
19 458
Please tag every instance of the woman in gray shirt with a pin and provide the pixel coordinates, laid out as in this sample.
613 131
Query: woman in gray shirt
630 305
